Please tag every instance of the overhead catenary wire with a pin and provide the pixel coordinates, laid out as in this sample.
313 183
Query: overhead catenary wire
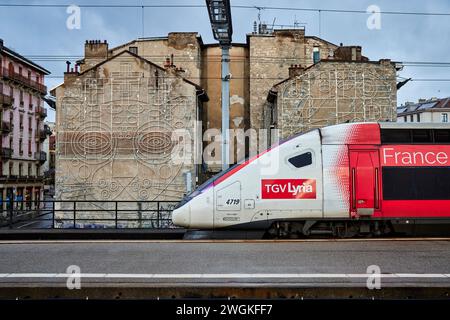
253 7
187 58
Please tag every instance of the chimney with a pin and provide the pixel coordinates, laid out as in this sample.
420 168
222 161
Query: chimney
95 51
168 64
295 70
180 72
1 45
70 72
348 53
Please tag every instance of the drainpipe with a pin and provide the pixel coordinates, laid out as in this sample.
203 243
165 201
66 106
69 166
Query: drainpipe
225 107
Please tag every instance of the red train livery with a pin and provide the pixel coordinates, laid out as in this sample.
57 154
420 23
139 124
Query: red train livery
344 180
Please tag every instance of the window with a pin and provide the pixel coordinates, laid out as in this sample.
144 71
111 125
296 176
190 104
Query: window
302 160
442 136
416 183
30 124
29 74
405 119
11 169
411 118
37 170
415 136
20 147
444 117
395 136
418 117
316 54
29 170
133 50
29 147
20 169
422 136
21 122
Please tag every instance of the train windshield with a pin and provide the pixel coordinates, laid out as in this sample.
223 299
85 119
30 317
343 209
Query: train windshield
204 186
208 182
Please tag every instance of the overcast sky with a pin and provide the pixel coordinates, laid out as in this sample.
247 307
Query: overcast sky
35 31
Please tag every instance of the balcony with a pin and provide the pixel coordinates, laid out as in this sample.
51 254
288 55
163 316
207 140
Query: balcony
5 127
20 79
6 101
41 156
42 112
41 135
6 153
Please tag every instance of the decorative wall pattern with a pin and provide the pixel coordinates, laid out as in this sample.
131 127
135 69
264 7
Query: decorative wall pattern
115 126
332 94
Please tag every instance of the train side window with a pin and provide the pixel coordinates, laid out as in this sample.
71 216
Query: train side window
395 136
302 160
422 136
442 136
416 183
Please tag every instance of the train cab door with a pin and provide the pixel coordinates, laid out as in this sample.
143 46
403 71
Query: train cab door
228 205
364 182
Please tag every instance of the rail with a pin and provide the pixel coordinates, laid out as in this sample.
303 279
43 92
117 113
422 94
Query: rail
80 214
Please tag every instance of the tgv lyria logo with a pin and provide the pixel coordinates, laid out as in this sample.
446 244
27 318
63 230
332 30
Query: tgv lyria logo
288 188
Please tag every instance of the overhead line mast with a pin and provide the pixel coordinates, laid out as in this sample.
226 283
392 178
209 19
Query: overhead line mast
220 18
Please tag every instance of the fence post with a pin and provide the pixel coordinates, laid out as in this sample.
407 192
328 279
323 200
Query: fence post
53 214
74 215
157 217
116 212
11 209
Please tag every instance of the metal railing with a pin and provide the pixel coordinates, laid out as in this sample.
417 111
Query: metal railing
66 214
5 100
17 77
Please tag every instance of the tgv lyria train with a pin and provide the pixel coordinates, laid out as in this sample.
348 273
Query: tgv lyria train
345 180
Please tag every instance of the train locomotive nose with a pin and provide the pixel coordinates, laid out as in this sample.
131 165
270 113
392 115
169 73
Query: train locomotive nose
182 216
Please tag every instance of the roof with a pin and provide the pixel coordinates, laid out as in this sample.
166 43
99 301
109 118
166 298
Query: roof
424 106
274 90
24 60
199 88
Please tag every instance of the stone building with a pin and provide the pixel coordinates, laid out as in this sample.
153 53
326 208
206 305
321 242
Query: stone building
115 124
344 87
255 66
48 167
119 89
271 55
22 131
425 110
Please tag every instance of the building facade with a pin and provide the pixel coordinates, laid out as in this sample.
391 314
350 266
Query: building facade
48 168
255 66
120 121
116 98
432 110
346 88
21 95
